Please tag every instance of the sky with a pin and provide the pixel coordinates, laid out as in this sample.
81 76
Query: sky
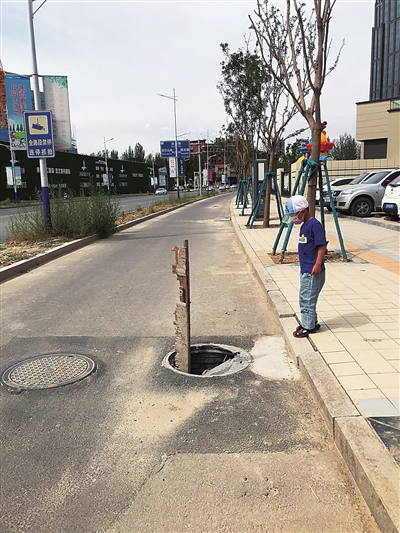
119 55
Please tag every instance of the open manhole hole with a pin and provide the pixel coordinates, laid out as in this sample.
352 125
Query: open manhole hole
211 360
48 371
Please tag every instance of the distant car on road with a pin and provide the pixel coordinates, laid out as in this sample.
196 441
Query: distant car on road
391 199
161 190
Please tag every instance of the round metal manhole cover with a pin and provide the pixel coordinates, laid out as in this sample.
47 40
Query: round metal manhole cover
48 371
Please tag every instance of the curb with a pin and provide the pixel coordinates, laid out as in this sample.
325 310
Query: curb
372 467
372 221
25 265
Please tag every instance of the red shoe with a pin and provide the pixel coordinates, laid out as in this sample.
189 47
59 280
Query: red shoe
300 333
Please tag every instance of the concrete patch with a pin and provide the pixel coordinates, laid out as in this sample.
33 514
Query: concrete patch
244 493
271 359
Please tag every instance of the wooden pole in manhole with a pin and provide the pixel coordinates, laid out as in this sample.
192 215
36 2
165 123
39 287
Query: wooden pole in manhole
182 310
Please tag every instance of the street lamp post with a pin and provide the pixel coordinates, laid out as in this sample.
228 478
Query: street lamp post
36 94
176 138
105 159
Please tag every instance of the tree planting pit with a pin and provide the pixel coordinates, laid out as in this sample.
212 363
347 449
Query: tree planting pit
211 360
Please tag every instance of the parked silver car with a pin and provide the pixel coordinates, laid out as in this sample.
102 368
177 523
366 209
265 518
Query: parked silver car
337 188
362 199
334 183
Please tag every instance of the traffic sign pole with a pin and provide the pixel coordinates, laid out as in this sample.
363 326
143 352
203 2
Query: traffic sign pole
36 96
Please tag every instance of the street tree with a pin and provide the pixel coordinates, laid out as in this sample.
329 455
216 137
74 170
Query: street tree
139 153
128 155
260 108
114 154
243 87
346 147
280 112
156 158
299 43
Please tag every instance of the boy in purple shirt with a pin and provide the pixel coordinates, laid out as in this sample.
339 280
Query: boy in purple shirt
311 249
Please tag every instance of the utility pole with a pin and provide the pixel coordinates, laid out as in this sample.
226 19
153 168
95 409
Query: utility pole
176 137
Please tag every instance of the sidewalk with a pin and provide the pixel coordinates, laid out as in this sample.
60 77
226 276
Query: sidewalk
352 364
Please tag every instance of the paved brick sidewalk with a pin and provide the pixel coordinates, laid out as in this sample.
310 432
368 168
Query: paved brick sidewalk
358 308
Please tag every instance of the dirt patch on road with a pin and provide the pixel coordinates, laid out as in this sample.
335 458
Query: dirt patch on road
11 251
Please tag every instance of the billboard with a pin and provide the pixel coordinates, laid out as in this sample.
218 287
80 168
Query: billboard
172 167
19 99
55 89
163 177
14 176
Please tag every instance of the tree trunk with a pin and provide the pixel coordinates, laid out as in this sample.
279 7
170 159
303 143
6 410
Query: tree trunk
268 189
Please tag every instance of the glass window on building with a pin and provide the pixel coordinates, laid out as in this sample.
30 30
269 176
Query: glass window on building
390 72
375 149
391 37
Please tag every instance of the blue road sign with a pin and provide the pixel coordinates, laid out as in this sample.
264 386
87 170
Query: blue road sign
39 134
167 148
181 167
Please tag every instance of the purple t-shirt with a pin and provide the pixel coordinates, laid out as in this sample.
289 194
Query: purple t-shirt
311 237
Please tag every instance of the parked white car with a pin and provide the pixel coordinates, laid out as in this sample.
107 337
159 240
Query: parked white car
391 199
161 190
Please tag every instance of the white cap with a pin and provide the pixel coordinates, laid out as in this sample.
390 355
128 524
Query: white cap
295 204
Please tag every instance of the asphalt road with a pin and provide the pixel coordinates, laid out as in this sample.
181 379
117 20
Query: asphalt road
136 447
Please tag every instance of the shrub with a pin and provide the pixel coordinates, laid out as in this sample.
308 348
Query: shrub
71 217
